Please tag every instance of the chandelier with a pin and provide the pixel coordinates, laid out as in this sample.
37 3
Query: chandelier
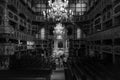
58 10
59 31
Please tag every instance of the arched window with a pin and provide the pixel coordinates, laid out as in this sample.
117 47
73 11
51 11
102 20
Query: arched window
70 31
43 33
60 45
78 33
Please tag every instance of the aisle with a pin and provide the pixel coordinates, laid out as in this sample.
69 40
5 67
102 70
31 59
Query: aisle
58 74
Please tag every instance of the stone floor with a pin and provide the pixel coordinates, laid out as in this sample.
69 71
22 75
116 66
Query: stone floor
58 74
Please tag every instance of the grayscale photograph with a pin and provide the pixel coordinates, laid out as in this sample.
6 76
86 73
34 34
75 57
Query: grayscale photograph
59 39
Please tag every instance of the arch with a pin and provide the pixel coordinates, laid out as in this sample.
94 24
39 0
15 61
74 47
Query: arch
78 33
60 45
42 33
69 30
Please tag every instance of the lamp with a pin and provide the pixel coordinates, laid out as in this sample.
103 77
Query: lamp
58 10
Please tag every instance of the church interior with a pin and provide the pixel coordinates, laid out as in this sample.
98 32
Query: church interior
59 39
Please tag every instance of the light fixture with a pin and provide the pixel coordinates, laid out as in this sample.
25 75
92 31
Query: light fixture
59 29
58 10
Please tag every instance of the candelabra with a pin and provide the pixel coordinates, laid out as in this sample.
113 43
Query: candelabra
58 10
